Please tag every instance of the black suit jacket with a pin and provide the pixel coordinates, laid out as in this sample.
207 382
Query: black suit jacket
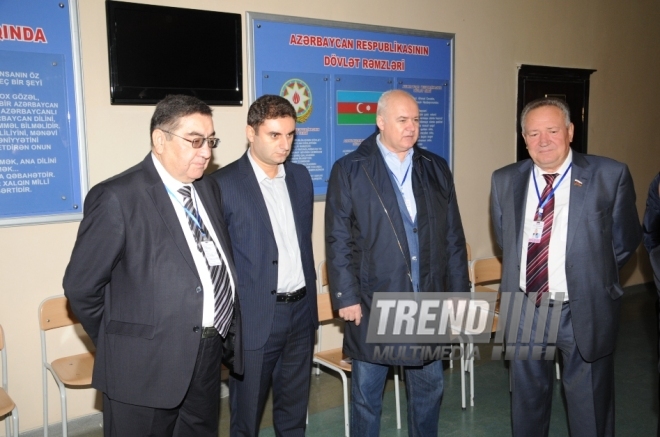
603 233
254 247
134 286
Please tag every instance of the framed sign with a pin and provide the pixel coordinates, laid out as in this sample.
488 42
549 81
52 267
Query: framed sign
43 175
334 73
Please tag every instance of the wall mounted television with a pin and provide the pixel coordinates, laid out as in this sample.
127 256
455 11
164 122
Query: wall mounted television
157 50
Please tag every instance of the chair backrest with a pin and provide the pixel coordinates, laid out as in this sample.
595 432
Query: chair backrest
326 312
486 270
55 312
322 277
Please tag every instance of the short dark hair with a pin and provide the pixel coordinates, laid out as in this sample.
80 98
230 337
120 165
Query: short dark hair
268 107
174 107
545 101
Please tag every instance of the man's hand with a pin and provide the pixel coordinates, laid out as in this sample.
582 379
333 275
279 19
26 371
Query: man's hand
351 314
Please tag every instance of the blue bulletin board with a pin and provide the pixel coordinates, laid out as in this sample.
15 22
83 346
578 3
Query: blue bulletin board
333 73
43 175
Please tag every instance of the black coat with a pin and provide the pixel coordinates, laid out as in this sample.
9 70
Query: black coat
366 246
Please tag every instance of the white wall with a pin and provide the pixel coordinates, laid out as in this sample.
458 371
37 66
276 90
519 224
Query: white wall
619 39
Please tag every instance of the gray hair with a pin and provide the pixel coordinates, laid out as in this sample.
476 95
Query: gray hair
385 98
545 101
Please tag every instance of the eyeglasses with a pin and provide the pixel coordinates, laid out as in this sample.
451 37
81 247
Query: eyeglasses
197 143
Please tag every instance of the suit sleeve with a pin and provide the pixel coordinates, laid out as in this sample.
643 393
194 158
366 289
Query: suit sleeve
652 217
339 244
98 249
496 211
626 230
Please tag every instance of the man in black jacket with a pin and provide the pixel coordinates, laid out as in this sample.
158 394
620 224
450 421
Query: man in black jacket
392 225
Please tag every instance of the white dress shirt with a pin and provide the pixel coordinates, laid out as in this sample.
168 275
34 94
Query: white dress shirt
557 247
290 276
173 186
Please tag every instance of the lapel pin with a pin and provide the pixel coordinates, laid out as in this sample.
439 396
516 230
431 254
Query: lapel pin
577 183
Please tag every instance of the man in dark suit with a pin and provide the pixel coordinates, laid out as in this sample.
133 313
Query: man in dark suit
566 223
652 242
267 203
152 280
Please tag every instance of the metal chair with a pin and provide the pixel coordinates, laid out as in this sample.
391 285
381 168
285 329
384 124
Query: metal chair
333 358
69 371
7 405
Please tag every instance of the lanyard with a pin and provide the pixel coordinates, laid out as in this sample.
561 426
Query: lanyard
552 192
405 176
196 219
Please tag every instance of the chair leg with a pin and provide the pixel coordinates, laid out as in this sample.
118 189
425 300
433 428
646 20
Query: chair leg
45 393
462 358
471 370
397 397
65 431
346 416
7 427
14 416
557 366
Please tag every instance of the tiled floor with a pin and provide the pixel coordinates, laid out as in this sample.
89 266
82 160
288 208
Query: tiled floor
636 390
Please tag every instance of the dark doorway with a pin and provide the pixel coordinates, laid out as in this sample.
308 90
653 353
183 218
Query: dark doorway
569 84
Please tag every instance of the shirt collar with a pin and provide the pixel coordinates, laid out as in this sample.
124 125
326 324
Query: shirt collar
167 178
391 156
561 170
260 173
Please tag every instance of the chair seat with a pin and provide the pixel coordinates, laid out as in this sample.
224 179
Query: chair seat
333 357
74 369
6 404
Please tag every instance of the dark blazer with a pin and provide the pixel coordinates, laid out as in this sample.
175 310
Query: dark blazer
134 286
366 245
603 233
254 247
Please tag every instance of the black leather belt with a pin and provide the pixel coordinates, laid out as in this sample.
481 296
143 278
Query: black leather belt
209 331
294 296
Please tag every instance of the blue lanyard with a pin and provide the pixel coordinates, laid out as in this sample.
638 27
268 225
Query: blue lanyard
404 176
195 219
552 192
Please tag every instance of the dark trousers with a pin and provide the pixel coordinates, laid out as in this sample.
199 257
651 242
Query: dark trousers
588 386
196 416
286 361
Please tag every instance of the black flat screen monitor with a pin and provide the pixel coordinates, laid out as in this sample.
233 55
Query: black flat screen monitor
157 50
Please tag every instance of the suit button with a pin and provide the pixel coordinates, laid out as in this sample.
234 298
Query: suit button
198 289
196 329
273 291
275 262
339 294
415 230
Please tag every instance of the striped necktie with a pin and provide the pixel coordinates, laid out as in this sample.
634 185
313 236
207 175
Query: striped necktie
223 308
537 253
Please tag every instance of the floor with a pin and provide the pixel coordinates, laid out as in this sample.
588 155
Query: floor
636 391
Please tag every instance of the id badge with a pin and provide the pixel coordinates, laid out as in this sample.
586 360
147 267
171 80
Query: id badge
211 253
537 232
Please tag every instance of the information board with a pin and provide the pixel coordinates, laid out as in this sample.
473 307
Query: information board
334 73
42 161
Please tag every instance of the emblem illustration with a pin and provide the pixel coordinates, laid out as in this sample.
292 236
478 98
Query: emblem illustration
299 94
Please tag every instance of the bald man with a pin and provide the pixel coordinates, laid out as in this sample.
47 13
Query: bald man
392 225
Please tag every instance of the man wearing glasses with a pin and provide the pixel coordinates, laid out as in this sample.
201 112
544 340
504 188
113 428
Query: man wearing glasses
152 280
